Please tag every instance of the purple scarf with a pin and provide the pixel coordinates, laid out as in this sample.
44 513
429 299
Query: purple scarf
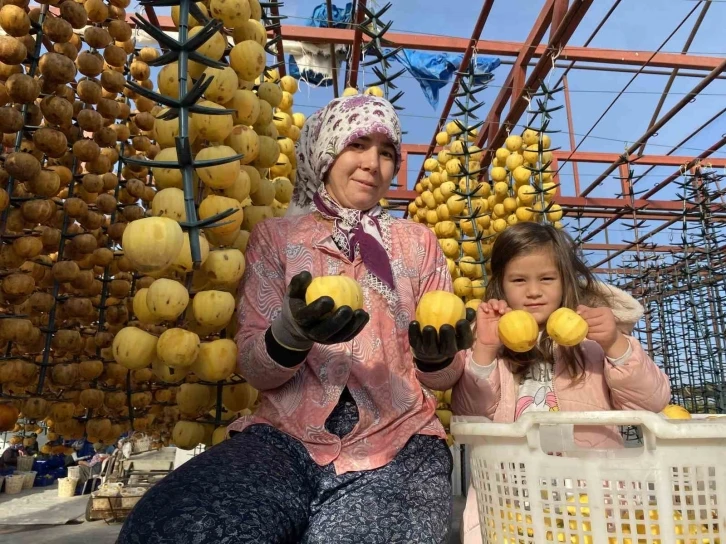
357 230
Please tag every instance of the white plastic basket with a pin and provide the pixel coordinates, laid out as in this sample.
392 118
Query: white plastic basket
14 484
67 487
25 464
672 490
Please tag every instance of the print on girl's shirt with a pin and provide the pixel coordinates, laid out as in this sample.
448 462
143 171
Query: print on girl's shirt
535 391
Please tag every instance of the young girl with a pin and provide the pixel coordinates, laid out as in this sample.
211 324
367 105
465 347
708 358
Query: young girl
535 268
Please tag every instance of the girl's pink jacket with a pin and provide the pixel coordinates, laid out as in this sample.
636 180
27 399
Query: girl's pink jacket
636 384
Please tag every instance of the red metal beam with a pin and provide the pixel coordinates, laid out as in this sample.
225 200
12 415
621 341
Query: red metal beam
626 70
396 203
559 12
626 247
516 76
427 42
689 137
351 71
682 103
608 208
333 59
674 73
497 130
576 202
642 215
597 157
685 140
690 164
608 271
571 130
618 203
663 271
637 242
478 27
623 272
402 178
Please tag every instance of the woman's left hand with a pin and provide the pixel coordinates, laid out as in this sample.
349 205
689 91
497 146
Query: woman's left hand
430 346
603 329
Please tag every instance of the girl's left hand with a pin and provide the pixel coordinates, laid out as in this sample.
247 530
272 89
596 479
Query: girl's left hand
603 329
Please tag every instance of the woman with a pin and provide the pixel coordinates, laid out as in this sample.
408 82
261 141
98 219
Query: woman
345 446
93 467
9 458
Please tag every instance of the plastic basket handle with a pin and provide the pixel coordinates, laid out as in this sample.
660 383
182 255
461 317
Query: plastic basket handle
558 435
625 417
469 430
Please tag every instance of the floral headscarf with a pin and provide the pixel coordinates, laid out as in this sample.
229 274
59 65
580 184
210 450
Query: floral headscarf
330 130
325 134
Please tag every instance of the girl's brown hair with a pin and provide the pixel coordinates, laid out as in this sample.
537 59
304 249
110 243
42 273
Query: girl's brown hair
578 286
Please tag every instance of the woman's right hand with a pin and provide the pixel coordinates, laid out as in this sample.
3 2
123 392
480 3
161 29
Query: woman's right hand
300 324
487 343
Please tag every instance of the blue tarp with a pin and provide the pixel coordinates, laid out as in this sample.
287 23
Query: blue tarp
433 71
319 19
341 17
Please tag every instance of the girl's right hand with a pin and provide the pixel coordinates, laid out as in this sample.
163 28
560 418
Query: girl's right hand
487 323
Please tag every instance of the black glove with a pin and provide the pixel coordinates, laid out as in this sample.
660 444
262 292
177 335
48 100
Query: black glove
436 350
300 325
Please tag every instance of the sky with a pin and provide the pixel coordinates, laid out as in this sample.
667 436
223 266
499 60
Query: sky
635 25
641 25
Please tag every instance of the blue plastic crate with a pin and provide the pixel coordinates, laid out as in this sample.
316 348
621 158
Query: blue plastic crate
44 481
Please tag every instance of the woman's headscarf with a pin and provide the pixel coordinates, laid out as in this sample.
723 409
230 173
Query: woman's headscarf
330 130
325 134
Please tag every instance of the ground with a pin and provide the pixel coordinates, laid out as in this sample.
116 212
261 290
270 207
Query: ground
100 532
81 532
23 517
